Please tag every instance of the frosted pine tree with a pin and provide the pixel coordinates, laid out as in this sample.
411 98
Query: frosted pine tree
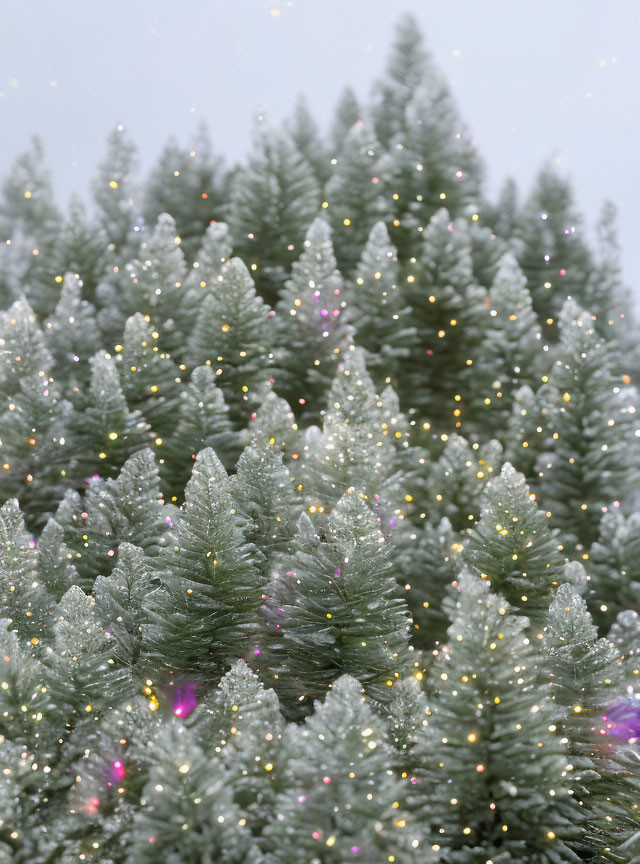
273 201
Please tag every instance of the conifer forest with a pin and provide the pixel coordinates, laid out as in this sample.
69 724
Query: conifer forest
320 532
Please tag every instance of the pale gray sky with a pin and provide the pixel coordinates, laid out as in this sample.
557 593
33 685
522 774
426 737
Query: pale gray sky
533 78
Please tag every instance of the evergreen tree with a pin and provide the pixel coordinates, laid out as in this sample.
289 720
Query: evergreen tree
105 431
80 647
353 451
189 813
27 193
506 209
625 637
407 715
81 249
605 294
457 479
513 548
114 190
550 248
215 250
234 335
24 599
338 780
347 615
202 421
346 114
121 600
251 740
24 353
354 195
594 460
491 756
266 496
405 72
274 423
153 283
273 200
429 570
149 378
70 335
614 567
189 184
584 676
311 314
451 318
30 224
513 354
383 321
56 569
33 417
525 436
304 133
487 249
206 614
127 509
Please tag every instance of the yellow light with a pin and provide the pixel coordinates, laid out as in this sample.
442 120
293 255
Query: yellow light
325 204
113 184
475 217
184 769
551 835
346 222
566 397
113 436
27 194
268 766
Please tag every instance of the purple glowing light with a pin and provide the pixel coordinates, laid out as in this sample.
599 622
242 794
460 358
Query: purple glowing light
185 700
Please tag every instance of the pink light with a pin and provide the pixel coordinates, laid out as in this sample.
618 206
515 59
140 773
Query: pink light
375 180
316 835
324 313
185 699
119 771
563 272
326 780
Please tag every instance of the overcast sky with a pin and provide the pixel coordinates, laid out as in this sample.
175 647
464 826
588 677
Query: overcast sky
548 78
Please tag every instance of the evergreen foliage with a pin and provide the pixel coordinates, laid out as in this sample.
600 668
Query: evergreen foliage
311 313
346 615
293 543
273 201
491 752
206 613
594 457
